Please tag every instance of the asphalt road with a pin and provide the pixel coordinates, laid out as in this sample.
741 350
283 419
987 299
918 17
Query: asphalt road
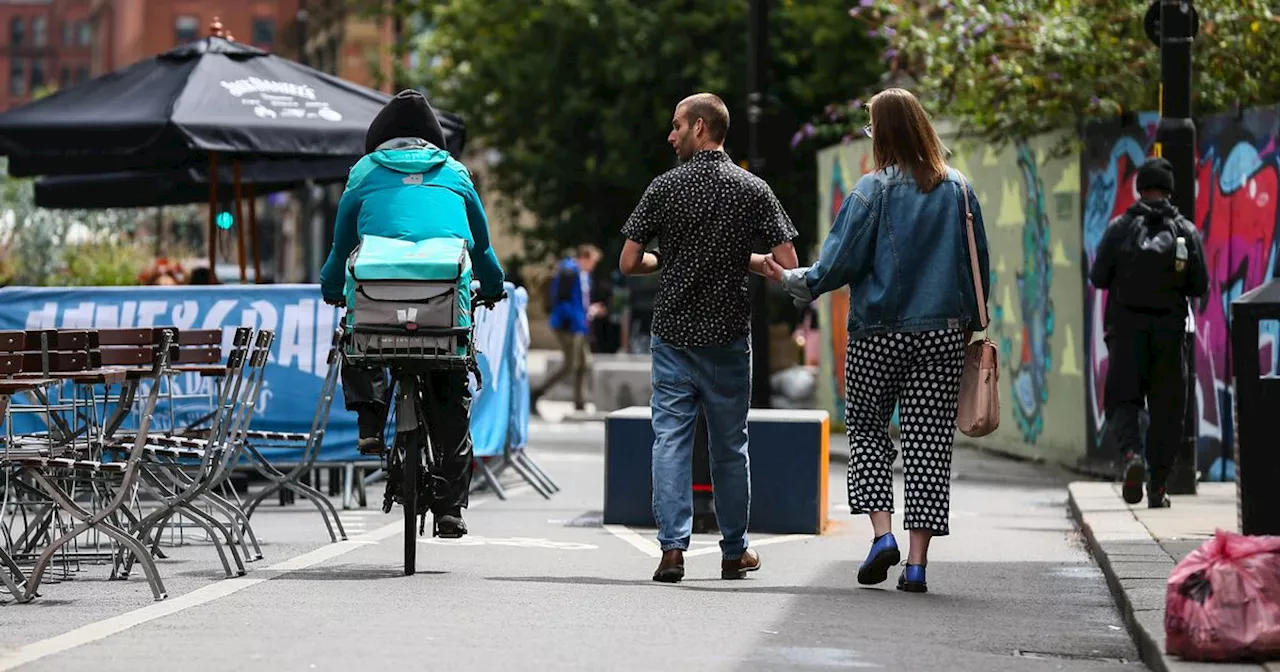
541 585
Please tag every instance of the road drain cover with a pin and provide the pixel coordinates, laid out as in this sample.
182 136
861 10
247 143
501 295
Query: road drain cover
1046 655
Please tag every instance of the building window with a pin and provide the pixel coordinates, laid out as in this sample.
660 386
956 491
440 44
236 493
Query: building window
82 74
39 26
17 31
86 33
68 33
18 77
37 74
264 33
185 29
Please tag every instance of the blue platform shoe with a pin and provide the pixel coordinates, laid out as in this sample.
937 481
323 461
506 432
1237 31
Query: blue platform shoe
912 580
884 554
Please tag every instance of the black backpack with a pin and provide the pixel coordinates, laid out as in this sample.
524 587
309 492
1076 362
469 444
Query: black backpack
1150 270
560 289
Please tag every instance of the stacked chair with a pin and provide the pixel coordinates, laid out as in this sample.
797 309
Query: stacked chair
88 476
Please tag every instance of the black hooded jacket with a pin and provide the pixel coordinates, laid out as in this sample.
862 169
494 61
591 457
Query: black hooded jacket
1136 262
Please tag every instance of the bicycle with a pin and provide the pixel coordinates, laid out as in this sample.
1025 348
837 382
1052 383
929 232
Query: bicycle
411 464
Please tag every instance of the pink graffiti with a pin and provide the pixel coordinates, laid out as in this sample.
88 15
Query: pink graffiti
1239 229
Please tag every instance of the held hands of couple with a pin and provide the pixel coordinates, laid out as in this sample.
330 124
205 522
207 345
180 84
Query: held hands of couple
792 280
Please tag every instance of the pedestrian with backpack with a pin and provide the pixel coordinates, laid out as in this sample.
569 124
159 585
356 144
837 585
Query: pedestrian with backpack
570 320
1151 262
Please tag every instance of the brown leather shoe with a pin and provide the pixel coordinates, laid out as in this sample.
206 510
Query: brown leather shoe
737 569
671 568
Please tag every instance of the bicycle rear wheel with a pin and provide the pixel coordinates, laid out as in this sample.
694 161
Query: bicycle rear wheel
409 490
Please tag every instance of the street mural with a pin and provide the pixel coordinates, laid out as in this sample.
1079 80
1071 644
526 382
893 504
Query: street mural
1030 365
1236 211
1030 205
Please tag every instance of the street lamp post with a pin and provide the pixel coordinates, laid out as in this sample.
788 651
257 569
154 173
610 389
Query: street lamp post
1176 141
757 70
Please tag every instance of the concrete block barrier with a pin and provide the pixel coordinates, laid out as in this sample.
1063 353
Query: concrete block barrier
789 469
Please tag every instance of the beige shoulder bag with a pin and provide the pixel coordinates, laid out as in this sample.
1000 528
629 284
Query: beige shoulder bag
979 410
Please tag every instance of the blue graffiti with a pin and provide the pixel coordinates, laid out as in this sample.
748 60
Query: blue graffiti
1030 367
1242 163
1101 199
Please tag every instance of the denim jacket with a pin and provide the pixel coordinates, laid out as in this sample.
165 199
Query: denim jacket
904 255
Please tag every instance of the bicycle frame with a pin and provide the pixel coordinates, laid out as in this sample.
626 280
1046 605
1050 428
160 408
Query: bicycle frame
407 355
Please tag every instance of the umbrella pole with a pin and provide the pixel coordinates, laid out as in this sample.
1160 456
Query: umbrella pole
244 273
213 212
253 234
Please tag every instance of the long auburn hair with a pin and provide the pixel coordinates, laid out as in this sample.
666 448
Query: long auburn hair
903 136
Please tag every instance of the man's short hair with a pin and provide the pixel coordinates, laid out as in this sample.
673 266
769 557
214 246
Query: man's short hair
587 250
711 110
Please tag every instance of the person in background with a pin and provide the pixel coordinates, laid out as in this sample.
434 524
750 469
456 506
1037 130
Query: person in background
900 244
163 273
1151 262
571 315
201 275
408 187
708 214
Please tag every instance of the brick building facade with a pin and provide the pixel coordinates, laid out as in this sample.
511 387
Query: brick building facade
43 44
56 43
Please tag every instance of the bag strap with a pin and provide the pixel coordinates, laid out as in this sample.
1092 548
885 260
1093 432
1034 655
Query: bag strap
984 317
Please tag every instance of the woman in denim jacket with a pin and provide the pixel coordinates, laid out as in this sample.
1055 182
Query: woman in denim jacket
899 244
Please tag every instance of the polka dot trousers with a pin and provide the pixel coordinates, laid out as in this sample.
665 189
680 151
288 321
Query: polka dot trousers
921 373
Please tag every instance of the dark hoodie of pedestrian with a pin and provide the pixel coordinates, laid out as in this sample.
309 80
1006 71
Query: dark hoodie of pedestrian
1151 262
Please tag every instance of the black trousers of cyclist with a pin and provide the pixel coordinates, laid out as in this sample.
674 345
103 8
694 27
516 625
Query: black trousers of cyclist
1147 363
446 399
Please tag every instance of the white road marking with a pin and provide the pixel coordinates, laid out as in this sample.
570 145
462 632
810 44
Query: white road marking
93 632
651 548
628 535
767 541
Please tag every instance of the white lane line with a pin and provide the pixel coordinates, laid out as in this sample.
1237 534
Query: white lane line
93 632
767 541
651 548
628 535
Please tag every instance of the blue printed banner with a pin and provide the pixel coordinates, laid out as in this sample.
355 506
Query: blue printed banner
304 328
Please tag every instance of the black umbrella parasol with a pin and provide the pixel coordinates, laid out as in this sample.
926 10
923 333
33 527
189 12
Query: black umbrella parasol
178 108
210 101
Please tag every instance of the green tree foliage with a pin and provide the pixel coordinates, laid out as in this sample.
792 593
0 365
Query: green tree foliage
62 247
1014 68
577 95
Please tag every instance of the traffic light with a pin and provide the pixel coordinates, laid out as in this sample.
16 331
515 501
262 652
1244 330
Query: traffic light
224 220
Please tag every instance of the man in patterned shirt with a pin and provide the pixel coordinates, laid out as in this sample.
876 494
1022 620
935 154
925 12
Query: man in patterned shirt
707 213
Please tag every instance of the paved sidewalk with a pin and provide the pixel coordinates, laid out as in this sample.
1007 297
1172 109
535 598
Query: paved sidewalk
1138 548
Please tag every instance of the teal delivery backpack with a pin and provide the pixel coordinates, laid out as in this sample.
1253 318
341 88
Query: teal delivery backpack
409 303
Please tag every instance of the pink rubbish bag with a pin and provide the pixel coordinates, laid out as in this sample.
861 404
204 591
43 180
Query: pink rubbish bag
1223 601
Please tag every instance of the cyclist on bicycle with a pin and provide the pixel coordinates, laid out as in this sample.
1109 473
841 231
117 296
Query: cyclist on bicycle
407 187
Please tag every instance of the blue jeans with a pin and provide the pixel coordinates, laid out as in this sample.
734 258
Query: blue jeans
718 379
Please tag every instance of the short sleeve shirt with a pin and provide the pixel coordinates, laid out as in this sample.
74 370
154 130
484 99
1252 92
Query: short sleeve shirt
707 215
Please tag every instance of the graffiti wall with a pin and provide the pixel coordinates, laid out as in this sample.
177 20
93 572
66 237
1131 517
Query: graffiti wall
1031 206
1236 211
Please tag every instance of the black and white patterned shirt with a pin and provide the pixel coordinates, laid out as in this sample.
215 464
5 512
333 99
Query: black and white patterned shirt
707 214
